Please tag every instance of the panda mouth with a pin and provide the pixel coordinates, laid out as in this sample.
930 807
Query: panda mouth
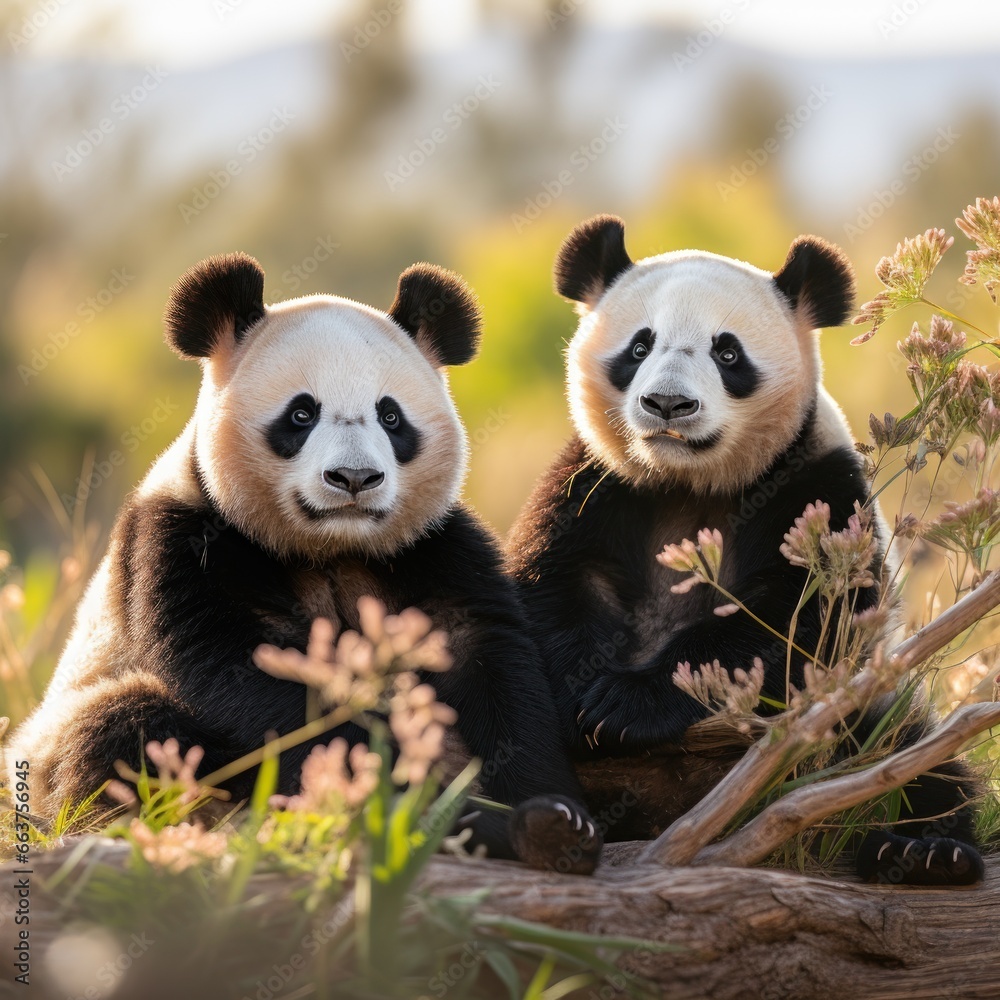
348 510
695 444
669 433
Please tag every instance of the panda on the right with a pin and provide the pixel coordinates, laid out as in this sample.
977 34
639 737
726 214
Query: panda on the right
694 383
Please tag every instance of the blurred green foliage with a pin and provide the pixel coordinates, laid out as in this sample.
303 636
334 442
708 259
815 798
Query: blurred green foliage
114 396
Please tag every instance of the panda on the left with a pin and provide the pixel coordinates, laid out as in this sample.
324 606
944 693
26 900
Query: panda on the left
323 462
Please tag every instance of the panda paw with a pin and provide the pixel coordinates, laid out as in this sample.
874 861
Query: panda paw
620 712
891 859
555 833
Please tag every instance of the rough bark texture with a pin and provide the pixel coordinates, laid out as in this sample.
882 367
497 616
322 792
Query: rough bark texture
761 934
749 934
746 933
768 759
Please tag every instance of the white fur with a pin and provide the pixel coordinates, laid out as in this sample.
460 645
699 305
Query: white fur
347 356
686 297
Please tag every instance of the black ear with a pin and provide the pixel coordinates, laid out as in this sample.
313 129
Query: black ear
440 312
222 297
818 281
591 258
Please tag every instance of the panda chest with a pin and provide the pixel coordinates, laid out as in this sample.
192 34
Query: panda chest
333 592
659 612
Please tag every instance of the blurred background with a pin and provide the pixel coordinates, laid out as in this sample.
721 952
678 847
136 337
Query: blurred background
339 142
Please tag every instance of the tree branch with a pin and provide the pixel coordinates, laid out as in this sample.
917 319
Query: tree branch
743 933
800 809
771 757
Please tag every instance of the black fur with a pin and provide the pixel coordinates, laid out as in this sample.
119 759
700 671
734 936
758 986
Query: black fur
622 367
583 553
219 297
740 378
591 258
933 841
818 277
439 310
616 534
403 436
196 596
284 435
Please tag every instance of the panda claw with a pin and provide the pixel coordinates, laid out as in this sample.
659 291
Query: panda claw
547 832
597 731
621 739
934 861
590 743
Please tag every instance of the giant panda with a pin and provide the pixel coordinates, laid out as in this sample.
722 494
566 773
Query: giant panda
694 386
323 462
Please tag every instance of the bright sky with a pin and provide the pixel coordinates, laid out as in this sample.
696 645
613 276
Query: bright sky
198 32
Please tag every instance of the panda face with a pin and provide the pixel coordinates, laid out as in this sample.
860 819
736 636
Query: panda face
690 368
329 430
323 426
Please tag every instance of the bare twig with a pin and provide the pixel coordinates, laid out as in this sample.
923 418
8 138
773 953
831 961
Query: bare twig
805 806
771 758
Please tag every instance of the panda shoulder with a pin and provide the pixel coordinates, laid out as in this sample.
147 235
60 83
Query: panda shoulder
830 429
461 536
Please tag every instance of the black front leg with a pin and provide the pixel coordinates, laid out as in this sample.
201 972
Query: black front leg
626 710
507 719
630 710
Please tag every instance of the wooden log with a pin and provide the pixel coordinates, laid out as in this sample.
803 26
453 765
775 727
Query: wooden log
769 759
747 934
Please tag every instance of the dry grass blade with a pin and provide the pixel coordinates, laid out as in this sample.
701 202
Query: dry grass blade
769 759
800 809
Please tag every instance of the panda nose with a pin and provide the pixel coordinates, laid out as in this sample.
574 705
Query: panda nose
669 407
353 481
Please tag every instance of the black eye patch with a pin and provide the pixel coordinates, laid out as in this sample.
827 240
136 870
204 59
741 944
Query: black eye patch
623 366
740 377
287 434
403 436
